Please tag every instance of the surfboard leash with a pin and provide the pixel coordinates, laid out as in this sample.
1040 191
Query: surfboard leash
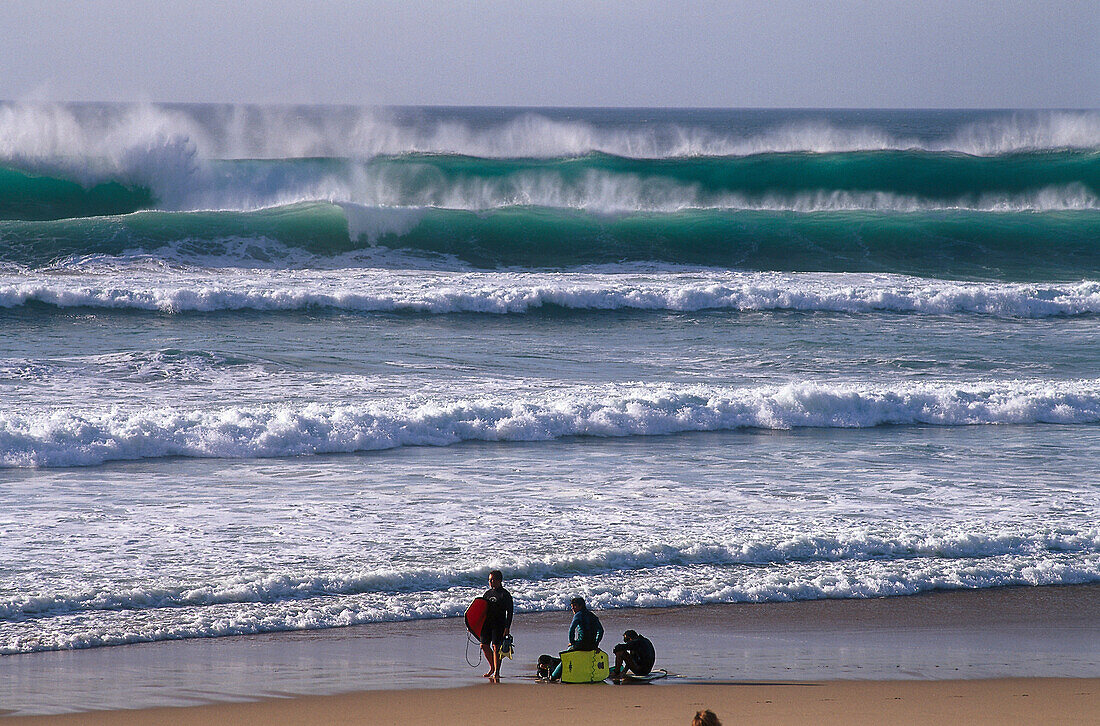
480 655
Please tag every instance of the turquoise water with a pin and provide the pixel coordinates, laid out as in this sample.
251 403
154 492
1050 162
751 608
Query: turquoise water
279 369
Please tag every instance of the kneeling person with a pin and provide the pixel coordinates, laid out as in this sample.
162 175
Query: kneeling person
634 654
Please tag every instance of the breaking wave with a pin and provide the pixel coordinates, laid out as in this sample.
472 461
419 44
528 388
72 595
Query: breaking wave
894 181
86 438
750 569
374 290
948 243
120 134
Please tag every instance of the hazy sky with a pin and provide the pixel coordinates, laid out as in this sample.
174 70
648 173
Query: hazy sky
920 53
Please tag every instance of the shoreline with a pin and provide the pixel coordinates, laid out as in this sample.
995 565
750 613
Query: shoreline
1051 701
952 636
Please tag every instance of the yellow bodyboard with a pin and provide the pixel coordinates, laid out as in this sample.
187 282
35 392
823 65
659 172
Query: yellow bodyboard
584 666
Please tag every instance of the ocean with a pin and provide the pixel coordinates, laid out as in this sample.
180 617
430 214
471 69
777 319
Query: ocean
284 368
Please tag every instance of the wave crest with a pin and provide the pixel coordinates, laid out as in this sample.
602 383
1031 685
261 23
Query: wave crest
854 546
517 293
109 133
827 565
86 438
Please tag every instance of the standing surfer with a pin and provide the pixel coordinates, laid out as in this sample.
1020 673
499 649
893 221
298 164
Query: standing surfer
498 621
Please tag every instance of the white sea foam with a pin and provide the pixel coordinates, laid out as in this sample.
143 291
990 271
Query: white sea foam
752 570
101 283
180 366
855 546
88 437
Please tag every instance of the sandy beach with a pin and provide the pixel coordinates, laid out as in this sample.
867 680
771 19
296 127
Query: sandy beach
1003 701
1019 655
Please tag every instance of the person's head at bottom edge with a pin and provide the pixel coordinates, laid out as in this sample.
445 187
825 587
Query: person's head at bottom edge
705 718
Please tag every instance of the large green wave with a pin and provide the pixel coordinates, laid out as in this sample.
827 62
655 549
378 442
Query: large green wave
27 196
594 181
317 228
929 175
943 244
951 244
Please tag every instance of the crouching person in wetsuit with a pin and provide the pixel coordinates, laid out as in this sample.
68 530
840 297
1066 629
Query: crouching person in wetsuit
585 632
635 654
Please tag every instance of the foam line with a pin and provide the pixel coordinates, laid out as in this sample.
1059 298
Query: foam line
519 293
86 438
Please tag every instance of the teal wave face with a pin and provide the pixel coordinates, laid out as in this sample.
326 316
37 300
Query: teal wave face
25 196
1014 246
897 180
879 180
316 228
948 244
928 175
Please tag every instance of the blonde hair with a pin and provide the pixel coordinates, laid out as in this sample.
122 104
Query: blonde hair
705 718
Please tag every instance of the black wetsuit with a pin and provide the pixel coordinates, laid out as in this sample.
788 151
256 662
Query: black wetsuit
641 654
499 616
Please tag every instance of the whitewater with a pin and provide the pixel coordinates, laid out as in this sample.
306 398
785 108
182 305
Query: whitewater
270 369
88 438
182 289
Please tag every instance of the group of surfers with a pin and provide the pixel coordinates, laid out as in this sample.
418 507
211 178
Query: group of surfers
634 656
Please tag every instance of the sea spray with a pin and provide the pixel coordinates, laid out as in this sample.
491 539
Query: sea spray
37 130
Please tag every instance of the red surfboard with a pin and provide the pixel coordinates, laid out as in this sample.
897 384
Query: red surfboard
475 616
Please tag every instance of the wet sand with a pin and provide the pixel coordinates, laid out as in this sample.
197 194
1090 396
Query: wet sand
965 656
1004 701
